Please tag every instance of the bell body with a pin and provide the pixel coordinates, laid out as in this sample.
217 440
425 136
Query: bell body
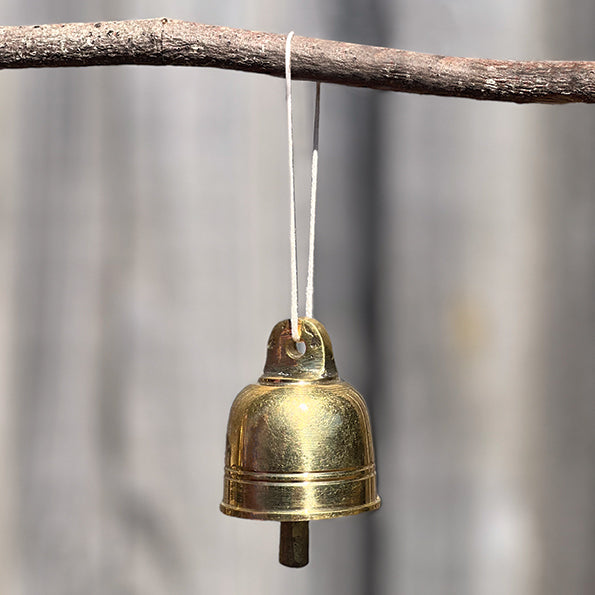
299 444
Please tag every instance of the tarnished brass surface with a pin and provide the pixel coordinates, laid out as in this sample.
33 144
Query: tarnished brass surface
299 445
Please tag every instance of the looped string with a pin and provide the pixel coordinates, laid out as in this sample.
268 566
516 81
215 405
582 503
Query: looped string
292 207
313 190
292 211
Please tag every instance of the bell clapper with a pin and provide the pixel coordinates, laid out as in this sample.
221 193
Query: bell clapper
294 544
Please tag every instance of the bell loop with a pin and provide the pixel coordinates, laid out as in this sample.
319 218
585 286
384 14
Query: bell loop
286 363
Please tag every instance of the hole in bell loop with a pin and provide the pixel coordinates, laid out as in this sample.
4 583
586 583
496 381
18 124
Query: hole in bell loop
296 350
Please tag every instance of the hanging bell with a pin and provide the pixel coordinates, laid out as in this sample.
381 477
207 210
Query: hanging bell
299 444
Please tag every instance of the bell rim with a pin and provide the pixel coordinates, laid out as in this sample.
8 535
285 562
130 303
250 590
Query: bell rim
298 515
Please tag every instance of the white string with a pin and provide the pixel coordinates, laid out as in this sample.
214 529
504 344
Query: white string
292 215
313 190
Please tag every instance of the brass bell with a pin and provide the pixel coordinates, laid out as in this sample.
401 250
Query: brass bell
299 444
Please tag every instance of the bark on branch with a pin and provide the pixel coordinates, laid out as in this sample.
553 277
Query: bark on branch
170 42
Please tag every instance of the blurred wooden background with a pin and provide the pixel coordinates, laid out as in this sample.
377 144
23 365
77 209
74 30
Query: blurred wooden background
144 260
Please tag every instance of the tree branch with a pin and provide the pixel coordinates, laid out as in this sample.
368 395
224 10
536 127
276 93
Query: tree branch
169 42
